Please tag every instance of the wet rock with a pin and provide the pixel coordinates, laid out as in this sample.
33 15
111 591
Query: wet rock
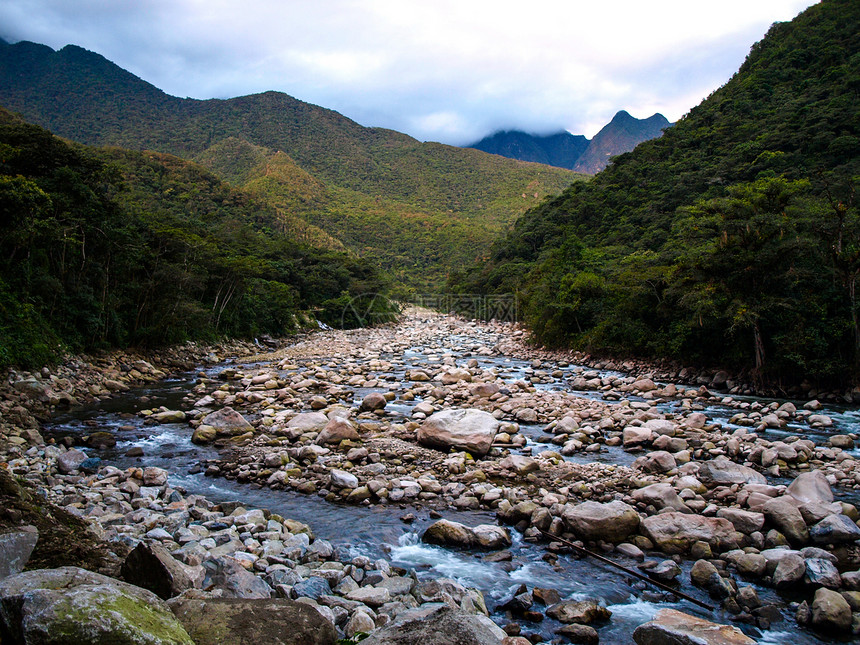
675 532
835 529
665 571
613 521
583 612
672 627
437 625
448 533
830 611
214 621
822 572
15 550
72 605
168 416
465 429
579 634
101 440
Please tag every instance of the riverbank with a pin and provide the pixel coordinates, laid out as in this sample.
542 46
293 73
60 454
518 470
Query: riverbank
649 472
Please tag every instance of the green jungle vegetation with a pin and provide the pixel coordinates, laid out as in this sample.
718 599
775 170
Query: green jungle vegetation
418 210
733 240
110 247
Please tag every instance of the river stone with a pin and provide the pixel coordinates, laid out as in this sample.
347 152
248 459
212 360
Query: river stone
613 521
520 464
227 422
72 606
672 627
312 588
336 430
657 461
152 567
784 514
583 612
15 550
455 375
465 429
661 496
438 625
308 422
635 436
214 621
675 532
449 533
835 529
70 461
811 486
342 479
578 634
830 611
790 570
234 581
822 573
370 596
168 416
483 390
723 471
372 402
661 427
744 521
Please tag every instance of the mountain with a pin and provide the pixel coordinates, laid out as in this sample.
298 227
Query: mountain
733 240
419 209
574 151
620 135
561 149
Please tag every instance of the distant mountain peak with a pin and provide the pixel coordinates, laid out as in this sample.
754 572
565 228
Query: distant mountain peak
574 151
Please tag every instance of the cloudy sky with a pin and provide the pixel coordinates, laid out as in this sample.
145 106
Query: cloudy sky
442 70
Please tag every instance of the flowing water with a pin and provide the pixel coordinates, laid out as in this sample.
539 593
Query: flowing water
378 531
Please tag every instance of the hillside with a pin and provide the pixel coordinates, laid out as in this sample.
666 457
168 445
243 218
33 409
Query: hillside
82 96
576 152
733 240
109 248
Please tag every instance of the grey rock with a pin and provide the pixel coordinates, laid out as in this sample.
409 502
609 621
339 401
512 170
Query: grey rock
438 625
15 550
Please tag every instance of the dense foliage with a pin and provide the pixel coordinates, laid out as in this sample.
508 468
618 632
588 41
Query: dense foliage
732 240
111 247
418 209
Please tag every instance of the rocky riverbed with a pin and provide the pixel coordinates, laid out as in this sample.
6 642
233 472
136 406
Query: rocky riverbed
745 503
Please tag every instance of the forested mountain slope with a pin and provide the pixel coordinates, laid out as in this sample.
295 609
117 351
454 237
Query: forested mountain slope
383 182
731 240
109 248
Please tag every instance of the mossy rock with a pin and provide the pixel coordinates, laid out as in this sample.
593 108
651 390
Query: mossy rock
72 606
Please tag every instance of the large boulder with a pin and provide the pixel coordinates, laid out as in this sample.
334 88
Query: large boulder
675 532
785 515
613 521
830 611
661 496
336 430
152 567
72 606
237 621
449 533
464 429
227 422
835 529
438 625
722 471
811 486
672 627
15 550
233 580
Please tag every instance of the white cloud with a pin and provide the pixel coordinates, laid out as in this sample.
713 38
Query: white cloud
450 70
